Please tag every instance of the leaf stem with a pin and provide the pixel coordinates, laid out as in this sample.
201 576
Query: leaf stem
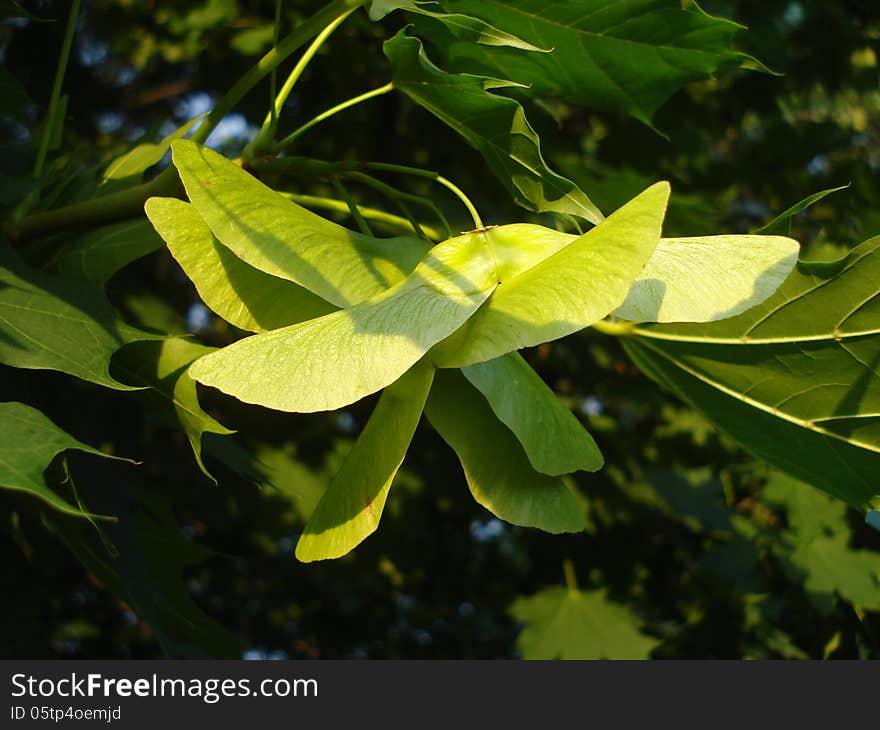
267 131
286 46
400 198
436 177
366 96
352 206
371 214
54 99
570 577
617 329
273 77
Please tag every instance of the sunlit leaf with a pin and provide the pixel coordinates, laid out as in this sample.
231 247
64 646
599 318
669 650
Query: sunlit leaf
566 292
279 237
828 567
554 440
497 469
239 293
329 362
563 623
708 278
494 125
351 507
142 157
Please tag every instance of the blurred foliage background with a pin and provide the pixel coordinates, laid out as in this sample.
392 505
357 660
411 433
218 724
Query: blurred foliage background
694 549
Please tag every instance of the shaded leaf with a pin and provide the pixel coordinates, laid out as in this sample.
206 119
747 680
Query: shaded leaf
142 559
279 237
351 508
795 379
562 623
496 467
494 125
462 27
787 215
162 366
97 255
553 439
49 323
237 292
628 56
29 445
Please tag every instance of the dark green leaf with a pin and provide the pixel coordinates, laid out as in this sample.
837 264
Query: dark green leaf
97 255
49 323
30 443
795 379
628 56
494 125
787 215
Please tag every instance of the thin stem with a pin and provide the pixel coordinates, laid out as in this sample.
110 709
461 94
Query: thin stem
371 214
289 139
417 229
60 72
398 196
618 329
273 77
352 206
436 177
267 131
290 43
570 577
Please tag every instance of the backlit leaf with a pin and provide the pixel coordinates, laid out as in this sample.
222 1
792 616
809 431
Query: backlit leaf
562 623
162 366
350 509
142 157
329 362
708 278
239 293
554 440
279 237
496 467
566 292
